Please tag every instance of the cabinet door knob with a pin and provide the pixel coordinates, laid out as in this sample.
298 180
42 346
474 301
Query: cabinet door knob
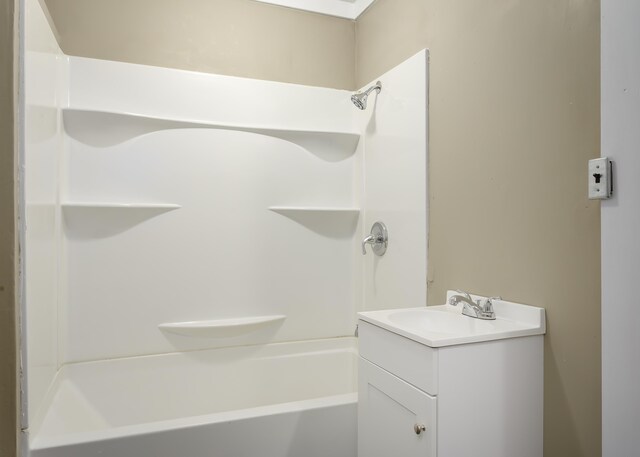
419 428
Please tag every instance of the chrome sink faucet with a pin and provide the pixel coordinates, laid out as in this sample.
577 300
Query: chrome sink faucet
474 309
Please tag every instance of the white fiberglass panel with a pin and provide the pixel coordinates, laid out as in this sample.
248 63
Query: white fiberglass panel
223 254
45 88
191 96
106 395
395 183
176 223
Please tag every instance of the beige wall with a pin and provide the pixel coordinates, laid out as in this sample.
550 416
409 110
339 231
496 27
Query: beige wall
514 117
7 242
230 37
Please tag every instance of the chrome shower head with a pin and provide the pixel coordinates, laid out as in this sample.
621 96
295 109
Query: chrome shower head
360 98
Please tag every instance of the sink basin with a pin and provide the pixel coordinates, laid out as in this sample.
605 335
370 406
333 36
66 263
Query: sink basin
445 325
439 320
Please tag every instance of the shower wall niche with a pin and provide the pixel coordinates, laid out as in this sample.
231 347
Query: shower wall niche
170 211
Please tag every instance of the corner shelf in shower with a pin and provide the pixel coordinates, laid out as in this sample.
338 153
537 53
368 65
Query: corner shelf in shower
328 210
72 209
90 220
329 221
107 128
222 328
83 206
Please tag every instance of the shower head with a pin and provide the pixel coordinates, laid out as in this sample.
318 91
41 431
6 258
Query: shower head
360 98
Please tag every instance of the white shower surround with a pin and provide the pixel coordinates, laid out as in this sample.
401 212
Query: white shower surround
207 247
45 93
167 216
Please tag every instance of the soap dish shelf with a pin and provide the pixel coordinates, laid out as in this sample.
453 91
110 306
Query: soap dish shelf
221 328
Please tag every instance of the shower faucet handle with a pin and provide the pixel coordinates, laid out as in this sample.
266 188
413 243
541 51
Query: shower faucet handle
369 239
378 239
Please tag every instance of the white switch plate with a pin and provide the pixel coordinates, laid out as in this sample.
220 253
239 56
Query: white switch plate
600 179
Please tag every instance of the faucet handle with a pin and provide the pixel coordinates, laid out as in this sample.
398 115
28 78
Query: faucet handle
370 239
488 304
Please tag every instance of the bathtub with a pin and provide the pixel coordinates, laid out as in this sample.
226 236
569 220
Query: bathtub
278 400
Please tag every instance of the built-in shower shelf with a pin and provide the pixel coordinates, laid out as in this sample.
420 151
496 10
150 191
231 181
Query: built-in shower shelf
329 210
91 220
107 128
222 328
83 206
330 221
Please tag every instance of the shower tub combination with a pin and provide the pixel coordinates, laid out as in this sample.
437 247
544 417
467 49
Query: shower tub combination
285 399
194 266
174 334
164 350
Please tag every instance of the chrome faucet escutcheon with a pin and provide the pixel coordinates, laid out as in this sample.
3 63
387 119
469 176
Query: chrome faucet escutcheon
378 239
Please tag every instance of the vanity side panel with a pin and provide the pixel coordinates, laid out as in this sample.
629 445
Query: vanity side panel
490 399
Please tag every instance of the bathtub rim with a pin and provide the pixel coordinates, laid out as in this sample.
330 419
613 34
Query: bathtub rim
126 431
349 344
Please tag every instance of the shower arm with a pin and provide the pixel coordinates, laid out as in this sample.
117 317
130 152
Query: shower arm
377 87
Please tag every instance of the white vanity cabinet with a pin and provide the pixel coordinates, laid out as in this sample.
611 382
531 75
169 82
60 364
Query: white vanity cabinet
479 399
395 418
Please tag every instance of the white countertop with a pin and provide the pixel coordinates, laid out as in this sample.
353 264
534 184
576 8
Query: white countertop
445 325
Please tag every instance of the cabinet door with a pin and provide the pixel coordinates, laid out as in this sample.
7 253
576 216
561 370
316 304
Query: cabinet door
389 409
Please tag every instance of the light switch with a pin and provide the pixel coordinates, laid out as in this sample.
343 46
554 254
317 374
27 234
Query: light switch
600 179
